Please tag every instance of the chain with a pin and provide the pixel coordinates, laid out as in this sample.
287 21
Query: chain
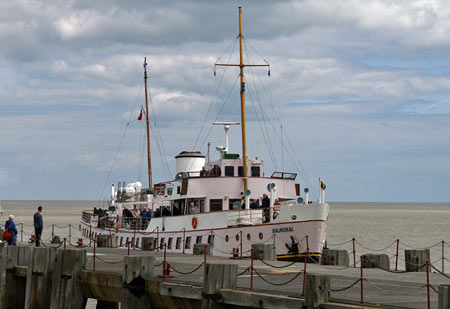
245 270
367 248
393 293
108 262
189 272
274 283
346 288
434 289
284 266
440 272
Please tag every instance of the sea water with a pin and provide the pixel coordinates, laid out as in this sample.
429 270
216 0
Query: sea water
375 226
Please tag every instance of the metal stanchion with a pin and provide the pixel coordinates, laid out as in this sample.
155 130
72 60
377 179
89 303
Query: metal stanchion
53 231
241 244
354 253
70 232
251 270
204 253
362 280
304 267
64 243
396 255
94 253
443 257
184 239
428 284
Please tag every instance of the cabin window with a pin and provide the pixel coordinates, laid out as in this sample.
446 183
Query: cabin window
137 242
127 241
215 205
161 244
178 245
240 171
198 240
169 244
211 240
256 171
188 242
178 190
229 171
155 243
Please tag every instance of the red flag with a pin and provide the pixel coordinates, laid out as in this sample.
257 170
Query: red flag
140 115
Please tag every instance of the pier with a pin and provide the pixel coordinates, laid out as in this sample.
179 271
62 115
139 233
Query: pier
65 277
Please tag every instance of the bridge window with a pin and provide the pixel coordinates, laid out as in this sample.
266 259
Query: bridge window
198 240
229 171
256 171
188 242
240 171
215 205
178 245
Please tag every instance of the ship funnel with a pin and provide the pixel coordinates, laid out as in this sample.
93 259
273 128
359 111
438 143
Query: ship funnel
190 162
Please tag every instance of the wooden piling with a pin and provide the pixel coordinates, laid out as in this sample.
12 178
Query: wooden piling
444 297
38 286
15 286
66 290
216 277
136 270
317 290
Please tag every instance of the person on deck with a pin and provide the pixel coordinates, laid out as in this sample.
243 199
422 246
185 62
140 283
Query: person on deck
144 218
193 209
38 225
254 204
12 228
265 201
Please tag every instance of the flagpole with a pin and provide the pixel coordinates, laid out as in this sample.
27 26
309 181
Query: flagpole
148 127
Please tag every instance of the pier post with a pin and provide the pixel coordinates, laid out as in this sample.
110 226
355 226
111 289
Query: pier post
136 270
318 289
14 285
66 291
216 277
444 297
335 257
416 259
38 287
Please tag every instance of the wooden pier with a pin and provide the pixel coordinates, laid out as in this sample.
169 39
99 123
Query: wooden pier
65 278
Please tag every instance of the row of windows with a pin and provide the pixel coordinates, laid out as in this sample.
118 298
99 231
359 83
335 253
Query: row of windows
229 171
198 240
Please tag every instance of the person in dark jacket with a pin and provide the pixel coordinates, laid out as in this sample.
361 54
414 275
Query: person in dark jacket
12 228
38 225
265 201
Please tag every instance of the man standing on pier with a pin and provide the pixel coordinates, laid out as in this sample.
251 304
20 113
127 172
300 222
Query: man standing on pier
38 225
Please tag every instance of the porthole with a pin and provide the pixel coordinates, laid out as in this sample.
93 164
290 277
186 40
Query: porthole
249 236
261 236
294 217
227 238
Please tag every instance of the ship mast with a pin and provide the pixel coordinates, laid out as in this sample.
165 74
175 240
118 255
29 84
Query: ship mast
148 128
241 66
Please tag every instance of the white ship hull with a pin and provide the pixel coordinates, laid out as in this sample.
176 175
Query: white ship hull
297 227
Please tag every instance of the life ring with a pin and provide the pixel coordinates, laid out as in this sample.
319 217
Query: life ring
194 222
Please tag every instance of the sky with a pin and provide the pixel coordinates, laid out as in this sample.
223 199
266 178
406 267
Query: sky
358 93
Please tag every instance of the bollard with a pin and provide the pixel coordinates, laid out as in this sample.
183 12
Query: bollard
416 259
263 252
334 257
136 271
66 290
376 261
216 277
318 289
40 266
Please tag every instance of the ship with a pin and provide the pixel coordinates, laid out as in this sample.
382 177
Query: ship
226 205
